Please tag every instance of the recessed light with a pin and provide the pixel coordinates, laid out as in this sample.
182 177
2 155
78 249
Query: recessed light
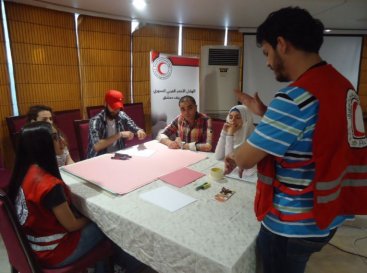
139 4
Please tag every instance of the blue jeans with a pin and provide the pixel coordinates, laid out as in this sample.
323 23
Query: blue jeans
279 254
90 237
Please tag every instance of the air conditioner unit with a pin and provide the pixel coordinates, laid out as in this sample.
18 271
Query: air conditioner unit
219 76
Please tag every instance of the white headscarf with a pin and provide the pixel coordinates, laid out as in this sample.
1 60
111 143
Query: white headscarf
247 128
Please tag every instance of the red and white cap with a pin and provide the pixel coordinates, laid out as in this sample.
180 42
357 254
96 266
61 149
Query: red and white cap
114 99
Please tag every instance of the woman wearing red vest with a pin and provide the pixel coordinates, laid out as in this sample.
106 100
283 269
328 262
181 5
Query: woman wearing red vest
57 233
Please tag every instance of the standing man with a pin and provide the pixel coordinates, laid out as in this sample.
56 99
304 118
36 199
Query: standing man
310 146
190 130
109 129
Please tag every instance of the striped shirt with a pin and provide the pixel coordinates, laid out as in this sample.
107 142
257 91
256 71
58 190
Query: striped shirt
98 131
286 130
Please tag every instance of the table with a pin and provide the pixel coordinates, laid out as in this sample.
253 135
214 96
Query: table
206 236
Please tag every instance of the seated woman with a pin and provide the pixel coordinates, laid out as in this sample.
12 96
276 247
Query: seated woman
57 233
238 126
62 153
190 130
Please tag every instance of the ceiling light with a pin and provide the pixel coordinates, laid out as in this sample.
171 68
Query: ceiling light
327 30
139 4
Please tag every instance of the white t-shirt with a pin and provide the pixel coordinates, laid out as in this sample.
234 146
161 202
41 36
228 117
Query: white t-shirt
111 130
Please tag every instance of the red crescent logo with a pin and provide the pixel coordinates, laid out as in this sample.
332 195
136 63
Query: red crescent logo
159 68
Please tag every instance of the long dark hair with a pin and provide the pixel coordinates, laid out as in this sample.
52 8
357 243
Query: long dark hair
35 146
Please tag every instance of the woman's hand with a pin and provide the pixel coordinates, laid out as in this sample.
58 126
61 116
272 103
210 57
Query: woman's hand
229 128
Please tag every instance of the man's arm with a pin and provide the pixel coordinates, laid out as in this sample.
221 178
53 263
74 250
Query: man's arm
98 143
106 142
207 146
247 156
167 133
244 157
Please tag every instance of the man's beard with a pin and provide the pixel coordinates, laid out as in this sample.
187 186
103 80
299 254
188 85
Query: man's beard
279 70
109 114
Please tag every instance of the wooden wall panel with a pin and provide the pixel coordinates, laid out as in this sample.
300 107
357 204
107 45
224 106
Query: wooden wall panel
46 69
194 38
6 151
104 47
150 37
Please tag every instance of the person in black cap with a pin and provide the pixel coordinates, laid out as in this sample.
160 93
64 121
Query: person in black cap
109 129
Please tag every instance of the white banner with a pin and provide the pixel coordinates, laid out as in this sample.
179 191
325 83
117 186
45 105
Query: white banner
171 77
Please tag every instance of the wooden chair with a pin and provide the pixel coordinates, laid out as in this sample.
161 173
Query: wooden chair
94 110
15 124
81 128
20 255
217 126
64 120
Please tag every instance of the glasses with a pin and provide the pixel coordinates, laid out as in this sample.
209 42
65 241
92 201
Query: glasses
56 136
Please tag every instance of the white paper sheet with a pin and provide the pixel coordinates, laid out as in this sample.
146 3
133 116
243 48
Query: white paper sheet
249 175
167 198
137 151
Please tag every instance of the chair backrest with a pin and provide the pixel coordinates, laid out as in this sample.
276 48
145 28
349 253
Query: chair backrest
4 174
136 112
19 253
217 126
81 128
65 121
94 110
15 124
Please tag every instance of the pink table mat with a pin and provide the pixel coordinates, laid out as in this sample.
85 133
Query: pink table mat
181 177
123 176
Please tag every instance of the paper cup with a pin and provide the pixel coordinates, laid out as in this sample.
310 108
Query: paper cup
216 173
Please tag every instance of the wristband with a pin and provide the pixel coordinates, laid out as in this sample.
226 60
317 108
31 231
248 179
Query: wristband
192 146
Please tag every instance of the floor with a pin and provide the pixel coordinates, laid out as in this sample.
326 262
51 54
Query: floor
346 253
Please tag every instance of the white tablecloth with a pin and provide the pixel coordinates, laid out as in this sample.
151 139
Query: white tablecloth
205 236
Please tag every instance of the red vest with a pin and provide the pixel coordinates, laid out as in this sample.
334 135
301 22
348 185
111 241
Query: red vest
50 241
339 149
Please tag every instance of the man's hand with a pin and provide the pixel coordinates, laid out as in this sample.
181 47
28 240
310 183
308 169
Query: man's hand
141 134
127 134
173 145
229 164
254 103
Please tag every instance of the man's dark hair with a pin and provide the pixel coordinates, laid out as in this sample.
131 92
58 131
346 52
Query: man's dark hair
295 25
187 98
35 109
